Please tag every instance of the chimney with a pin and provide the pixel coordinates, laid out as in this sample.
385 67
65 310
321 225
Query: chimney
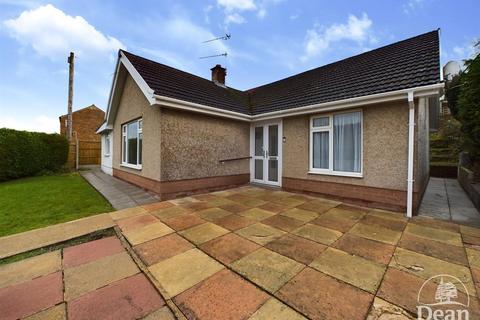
218 75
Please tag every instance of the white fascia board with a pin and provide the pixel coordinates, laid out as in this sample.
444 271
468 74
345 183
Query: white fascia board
147 91
112 88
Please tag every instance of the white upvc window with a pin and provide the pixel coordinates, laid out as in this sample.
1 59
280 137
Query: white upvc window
336 144
132 137
107 146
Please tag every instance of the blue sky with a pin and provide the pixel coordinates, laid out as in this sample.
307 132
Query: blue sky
271 39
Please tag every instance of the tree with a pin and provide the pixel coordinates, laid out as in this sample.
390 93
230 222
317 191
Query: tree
469 105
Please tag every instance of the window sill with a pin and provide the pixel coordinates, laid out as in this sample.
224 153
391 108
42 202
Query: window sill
106 155
339 174
131 166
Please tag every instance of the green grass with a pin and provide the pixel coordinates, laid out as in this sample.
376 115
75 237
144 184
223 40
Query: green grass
36 202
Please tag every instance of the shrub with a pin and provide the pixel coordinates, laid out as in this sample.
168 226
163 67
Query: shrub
24 153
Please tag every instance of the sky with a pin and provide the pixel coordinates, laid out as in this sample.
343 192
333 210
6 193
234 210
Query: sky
270 40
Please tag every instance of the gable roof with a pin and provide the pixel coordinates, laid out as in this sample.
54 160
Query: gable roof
411 63
91 107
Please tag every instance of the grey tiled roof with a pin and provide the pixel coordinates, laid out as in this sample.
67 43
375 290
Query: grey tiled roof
406 64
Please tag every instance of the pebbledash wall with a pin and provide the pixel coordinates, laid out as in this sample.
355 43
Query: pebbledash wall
174 162
385 150
182 153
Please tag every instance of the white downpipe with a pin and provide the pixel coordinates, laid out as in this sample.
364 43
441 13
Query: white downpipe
411 135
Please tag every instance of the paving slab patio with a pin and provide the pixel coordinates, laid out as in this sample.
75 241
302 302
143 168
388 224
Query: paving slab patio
246 253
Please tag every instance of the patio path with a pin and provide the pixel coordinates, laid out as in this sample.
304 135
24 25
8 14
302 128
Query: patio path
119 193
445 199
250 253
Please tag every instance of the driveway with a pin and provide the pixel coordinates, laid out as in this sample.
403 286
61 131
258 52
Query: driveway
252 253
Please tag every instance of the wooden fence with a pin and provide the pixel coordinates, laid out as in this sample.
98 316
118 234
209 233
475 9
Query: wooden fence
84 152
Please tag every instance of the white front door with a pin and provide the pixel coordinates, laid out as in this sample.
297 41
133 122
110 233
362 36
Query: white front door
266 142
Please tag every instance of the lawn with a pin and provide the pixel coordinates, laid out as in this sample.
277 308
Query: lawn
36 202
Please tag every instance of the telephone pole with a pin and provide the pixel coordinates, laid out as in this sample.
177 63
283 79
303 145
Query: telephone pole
70 60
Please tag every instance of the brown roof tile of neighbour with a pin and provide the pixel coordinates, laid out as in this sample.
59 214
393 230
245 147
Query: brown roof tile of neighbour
406 64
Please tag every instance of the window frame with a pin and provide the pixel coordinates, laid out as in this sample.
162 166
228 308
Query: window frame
107 145
124 148
329 129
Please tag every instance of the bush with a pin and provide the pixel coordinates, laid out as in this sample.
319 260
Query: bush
24 153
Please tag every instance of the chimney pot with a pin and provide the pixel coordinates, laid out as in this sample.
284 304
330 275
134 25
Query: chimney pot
218 74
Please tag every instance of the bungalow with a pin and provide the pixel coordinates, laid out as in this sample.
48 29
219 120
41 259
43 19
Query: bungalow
356 129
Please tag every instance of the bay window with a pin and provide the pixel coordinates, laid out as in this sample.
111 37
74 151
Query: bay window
336 144
132 137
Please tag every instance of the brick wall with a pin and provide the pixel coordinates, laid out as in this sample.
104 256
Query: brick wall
85 122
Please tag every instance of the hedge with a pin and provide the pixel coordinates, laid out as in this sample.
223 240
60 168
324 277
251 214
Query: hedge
24 153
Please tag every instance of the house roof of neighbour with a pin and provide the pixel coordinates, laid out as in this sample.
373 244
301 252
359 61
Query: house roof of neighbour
91 107
410 63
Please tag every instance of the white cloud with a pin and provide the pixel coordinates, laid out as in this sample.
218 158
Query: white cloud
412 5
467 51
318 39
262 13
240 5
53 33
234 18
39 124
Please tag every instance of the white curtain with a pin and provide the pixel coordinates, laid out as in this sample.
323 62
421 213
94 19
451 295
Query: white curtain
320 150
347 131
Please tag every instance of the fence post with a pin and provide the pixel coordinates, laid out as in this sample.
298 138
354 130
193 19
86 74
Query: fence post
76 153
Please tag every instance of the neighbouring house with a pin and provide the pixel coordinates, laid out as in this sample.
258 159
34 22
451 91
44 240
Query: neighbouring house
356 129
85 123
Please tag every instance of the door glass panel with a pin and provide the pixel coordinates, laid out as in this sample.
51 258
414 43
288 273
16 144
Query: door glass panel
273 170
273 141
259 169
320 150
259 141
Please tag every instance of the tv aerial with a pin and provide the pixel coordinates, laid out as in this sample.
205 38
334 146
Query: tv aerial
227 36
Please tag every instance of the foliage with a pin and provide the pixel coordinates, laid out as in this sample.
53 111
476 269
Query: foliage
24 153
469 106
35 202
463 95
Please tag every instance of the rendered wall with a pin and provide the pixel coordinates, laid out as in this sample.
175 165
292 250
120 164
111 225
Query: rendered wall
134 105
385 145
192 145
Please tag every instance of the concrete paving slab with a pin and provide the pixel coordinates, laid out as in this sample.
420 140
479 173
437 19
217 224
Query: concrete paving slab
147 233
275 310
27 298
267 269
234 222
425 267
129 298
213 214
184 221
127 213
30 268
297 248
38 238
163 313
183 271
88 277
317 233
232 296
229 248
283 223
159 249
362 273
136 222
300 214
444 236
375 232
382 309
260 233
203 233
91 251
365 248
256 214
303 293
57 312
